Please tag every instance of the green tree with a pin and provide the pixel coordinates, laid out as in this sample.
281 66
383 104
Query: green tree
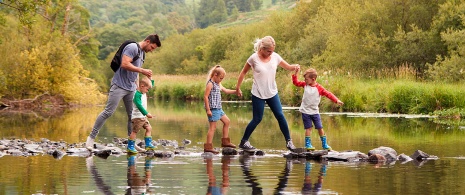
450 23
48 59
210 12
26 10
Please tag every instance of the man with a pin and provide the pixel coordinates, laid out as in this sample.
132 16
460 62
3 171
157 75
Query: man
124 83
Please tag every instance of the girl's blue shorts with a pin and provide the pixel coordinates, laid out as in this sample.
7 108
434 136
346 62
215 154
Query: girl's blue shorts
217 113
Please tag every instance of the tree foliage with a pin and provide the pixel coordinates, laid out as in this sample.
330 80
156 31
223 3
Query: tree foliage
47 57
64 42
450 23
363 37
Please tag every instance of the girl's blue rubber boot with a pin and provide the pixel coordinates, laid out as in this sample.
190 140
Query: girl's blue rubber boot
324 144
148 143
130 148
308 144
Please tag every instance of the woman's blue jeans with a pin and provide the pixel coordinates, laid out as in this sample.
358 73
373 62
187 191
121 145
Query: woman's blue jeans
258 107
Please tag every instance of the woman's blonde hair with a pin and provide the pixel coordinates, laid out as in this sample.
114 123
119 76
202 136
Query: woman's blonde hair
264 43
215 70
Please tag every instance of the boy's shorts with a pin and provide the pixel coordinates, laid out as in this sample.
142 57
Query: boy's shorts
309 118
139 123
217 113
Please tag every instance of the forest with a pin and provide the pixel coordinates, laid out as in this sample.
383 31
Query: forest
64 47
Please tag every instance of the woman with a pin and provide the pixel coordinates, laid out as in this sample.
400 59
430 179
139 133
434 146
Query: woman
264 63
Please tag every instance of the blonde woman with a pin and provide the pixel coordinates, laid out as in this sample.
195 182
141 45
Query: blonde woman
264 63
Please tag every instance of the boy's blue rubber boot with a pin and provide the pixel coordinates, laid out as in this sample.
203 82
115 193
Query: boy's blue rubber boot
324 144
130 149
131 159
323 170
308 168
308 144
148 163
148 143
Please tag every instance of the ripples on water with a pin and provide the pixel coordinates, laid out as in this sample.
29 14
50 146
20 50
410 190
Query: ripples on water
269 174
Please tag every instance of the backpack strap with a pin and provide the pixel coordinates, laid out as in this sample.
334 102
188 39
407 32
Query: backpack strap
138 55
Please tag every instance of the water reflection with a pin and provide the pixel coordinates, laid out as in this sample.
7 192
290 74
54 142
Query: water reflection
212 188
284 177
245 174
249 177
139 185
97 177
309 187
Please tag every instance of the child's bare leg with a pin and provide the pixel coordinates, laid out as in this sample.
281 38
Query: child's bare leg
308 132
148 131
148 138
211 132
225 140
133 136
321 132
226 122
208 146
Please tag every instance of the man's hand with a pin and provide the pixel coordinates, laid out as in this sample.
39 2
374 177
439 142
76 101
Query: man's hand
146 72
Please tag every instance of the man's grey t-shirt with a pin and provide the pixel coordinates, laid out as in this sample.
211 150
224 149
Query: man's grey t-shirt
124 78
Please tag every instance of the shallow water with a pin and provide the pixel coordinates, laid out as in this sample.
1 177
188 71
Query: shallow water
193 173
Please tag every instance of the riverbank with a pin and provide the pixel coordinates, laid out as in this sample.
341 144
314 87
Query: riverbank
398 96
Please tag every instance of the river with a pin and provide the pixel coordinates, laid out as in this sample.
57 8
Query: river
193 173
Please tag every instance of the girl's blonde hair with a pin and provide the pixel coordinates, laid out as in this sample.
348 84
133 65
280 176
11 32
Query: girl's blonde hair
264 43
216 70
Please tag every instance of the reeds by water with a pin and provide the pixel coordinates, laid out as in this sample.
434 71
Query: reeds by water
390 91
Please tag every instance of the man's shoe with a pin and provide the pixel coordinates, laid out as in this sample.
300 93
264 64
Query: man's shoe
89 143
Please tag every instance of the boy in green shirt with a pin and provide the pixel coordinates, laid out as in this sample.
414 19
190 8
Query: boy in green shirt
139 116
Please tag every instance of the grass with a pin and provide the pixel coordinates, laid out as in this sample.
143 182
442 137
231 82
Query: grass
388 95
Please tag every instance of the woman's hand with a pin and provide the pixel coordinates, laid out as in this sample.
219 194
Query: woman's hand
239 92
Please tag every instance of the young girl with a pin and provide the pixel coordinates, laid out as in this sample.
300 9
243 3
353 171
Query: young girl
212 100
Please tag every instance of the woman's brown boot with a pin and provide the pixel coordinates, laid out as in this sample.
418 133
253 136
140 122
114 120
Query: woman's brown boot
226 142
209 148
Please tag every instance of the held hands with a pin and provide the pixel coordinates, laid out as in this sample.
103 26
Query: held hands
146 72
296 68
239 92
339 102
